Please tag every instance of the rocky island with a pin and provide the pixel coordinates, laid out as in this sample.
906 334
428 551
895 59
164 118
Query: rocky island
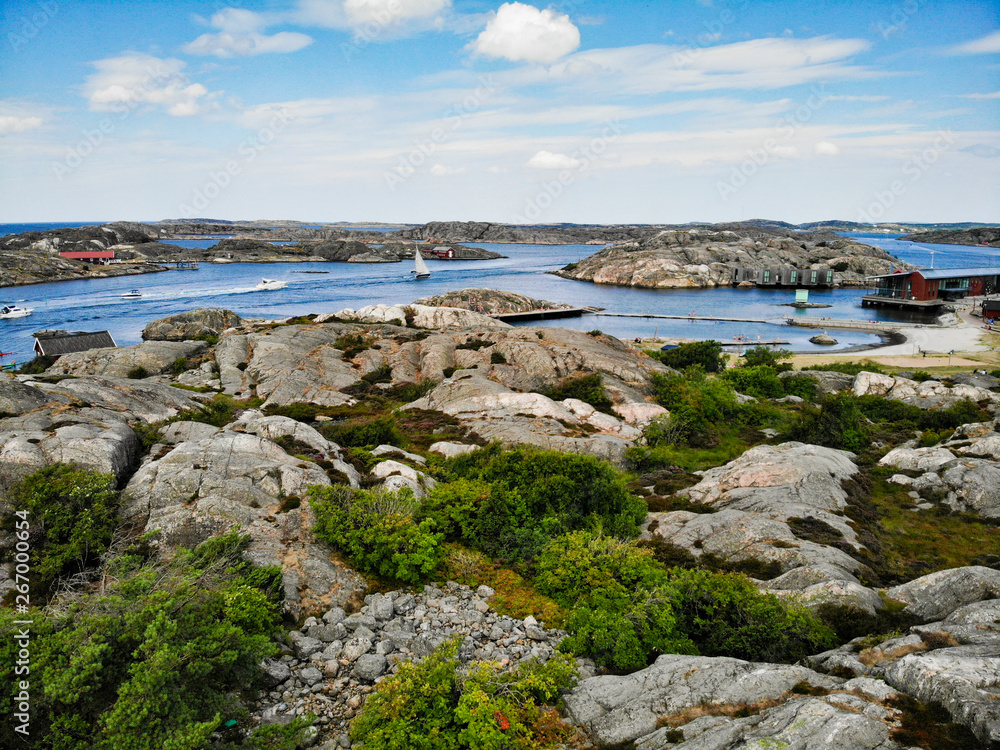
698 258
404 498
126 248
989 236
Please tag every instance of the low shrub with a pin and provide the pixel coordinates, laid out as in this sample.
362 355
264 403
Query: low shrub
497 358
759 381
558 492
726 615
382 374
365 432
704 354
352 344
481 707
474 344
849 368
377 530
586 388
153 658
71 514
765 356
138 373
179 365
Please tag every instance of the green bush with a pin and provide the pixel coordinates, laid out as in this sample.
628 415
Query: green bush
219 411
765 356
837 423
138 373
72 516
366 432
152 660
705 354
434 705
800 385
377 530
697 402
560 492
37 366
497 358
381 374
759 381
586 388
575 565
726 615
849 368
352 344
179 365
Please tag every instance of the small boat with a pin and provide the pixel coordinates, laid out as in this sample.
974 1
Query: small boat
420 268
13 311
271 284
133 294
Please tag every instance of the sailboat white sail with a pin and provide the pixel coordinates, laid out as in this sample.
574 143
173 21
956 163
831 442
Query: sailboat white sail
419 267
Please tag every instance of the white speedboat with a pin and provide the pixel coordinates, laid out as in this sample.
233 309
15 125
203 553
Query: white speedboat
270 284
13 311
133 294
419 267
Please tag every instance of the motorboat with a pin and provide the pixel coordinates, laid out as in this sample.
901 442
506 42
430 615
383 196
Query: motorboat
13 311
419 267
267 285
133 294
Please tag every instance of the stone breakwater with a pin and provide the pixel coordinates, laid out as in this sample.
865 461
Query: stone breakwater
332 663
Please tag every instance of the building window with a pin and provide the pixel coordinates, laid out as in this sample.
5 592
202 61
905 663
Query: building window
767 277
812 277
795 276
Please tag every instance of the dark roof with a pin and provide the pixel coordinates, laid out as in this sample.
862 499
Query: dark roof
57 345
944 273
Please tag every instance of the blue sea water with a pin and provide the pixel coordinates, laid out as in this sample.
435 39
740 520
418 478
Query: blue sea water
95 305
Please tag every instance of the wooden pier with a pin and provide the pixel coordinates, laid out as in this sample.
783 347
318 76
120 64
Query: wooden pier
688 317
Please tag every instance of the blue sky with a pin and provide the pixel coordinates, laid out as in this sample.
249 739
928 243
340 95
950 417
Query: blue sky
584 111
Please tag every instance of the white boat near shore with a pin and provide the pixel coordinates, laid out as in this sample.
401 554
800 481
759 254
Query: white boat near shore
133 294
13 311
267 285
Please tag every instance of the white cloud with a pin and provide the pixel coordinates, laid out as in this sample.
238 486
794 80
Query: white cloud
826 148
994 95
240 36
755 64
133 79
989 44
377 15
549 160
15 124
244 45
520 32
440 170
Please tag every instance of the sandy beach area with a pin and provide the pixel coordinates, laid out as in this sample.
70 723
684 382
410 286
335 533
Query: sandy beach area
965 344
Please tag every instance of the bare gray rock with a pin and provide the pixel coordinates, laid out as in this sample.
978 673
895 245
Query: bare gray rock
193 324
18 398
826 382
937 595
619 709
963 679
142 400
154 357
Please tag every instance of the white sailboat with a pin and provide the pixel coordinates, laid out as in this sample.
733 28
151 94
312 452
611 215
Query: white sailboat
419 267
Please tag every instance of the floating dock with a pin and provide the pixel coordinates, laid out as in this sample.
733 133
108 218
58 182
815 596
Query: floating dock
546 314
